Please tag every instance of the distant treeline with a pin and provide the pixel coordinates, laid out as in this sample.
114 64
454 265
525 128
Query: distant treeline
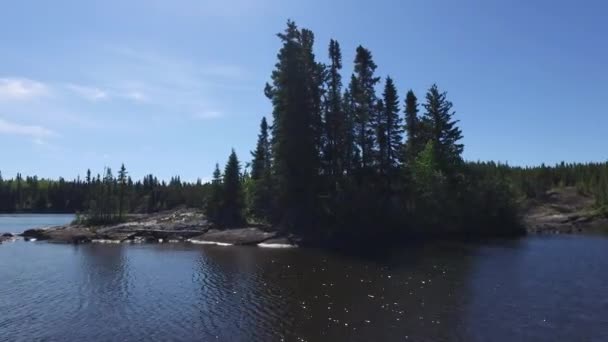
101 196
335 162
38 195
590 179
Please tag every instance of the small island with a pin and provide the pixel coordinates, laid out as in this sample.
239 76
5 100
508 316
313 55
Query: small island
562 211
340 164
182 225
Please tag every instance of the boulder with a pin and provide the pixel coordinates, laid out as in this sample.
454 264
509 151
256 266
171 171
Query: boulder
119 236
241 236
282 242
69 235
38 234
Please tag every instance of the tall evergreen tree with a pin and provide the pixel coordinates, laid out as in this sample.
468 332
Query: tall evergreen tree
364 101
335 121
442 129
262 155
232 204
261 175
214 201
315 77
348 145
294 138
358 130
414 143
380 129
122 184
390 129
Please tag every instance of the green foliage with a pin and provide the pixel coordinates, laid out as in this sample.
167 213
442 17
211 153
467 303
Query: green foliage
414 144
227 198
122 184
259 188
427 176
94 194
533 182
295 97
232 202
389 126
214 201
439 126
364 102
336 152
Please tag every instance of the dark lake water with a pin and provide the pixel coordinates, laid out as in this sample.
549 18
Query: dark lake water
533 289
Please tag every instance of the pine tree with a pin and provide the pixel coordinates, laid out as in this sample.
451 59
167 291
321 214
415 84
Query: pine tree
381 130
440 127
261 156
122 183
214 201
261 175
294 136
232 204
415 141
389 129
335 125
364 101
348 146
108 202
315 77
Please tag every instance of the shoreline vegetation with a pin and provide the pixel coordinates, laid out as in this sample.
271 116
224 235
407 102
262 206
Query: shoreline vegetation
340 163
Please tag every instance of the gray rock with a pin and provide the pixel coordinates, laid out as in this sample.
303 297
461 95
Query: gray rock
171 225
241 236
38 234
69 234
563 210
282 242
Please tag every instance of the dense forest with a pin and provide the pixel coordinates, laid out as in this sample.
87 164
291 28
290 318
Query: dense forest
100 196
338 159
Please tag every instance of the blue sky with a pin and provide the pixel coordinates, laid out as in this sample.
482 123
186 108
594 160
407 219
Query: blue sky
168 87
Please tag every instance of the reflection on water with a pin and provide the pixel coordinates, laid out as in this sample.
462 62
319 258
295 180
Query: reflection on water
533 289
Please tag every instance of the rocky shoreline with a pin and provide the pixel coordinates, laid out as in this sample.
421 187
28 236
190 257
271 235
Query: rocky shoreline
562 211
184 225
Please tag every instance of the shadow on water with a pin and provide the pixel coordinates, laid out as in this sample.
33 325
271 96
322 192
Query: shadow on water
313 295
540 289
233 282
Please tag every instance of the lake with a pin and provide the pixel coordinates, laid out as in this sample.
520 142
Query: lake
552 288
18 223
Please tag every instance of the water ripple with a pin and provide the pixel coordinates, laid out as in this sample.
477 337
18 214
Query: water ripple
206 293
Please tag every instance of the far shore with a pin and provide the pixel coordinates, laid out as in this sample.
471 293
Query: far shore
562 211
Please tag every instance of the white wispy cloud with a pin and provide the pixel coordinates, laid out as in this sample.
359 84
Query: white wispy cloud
170 84
87 92
38 133
21 89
